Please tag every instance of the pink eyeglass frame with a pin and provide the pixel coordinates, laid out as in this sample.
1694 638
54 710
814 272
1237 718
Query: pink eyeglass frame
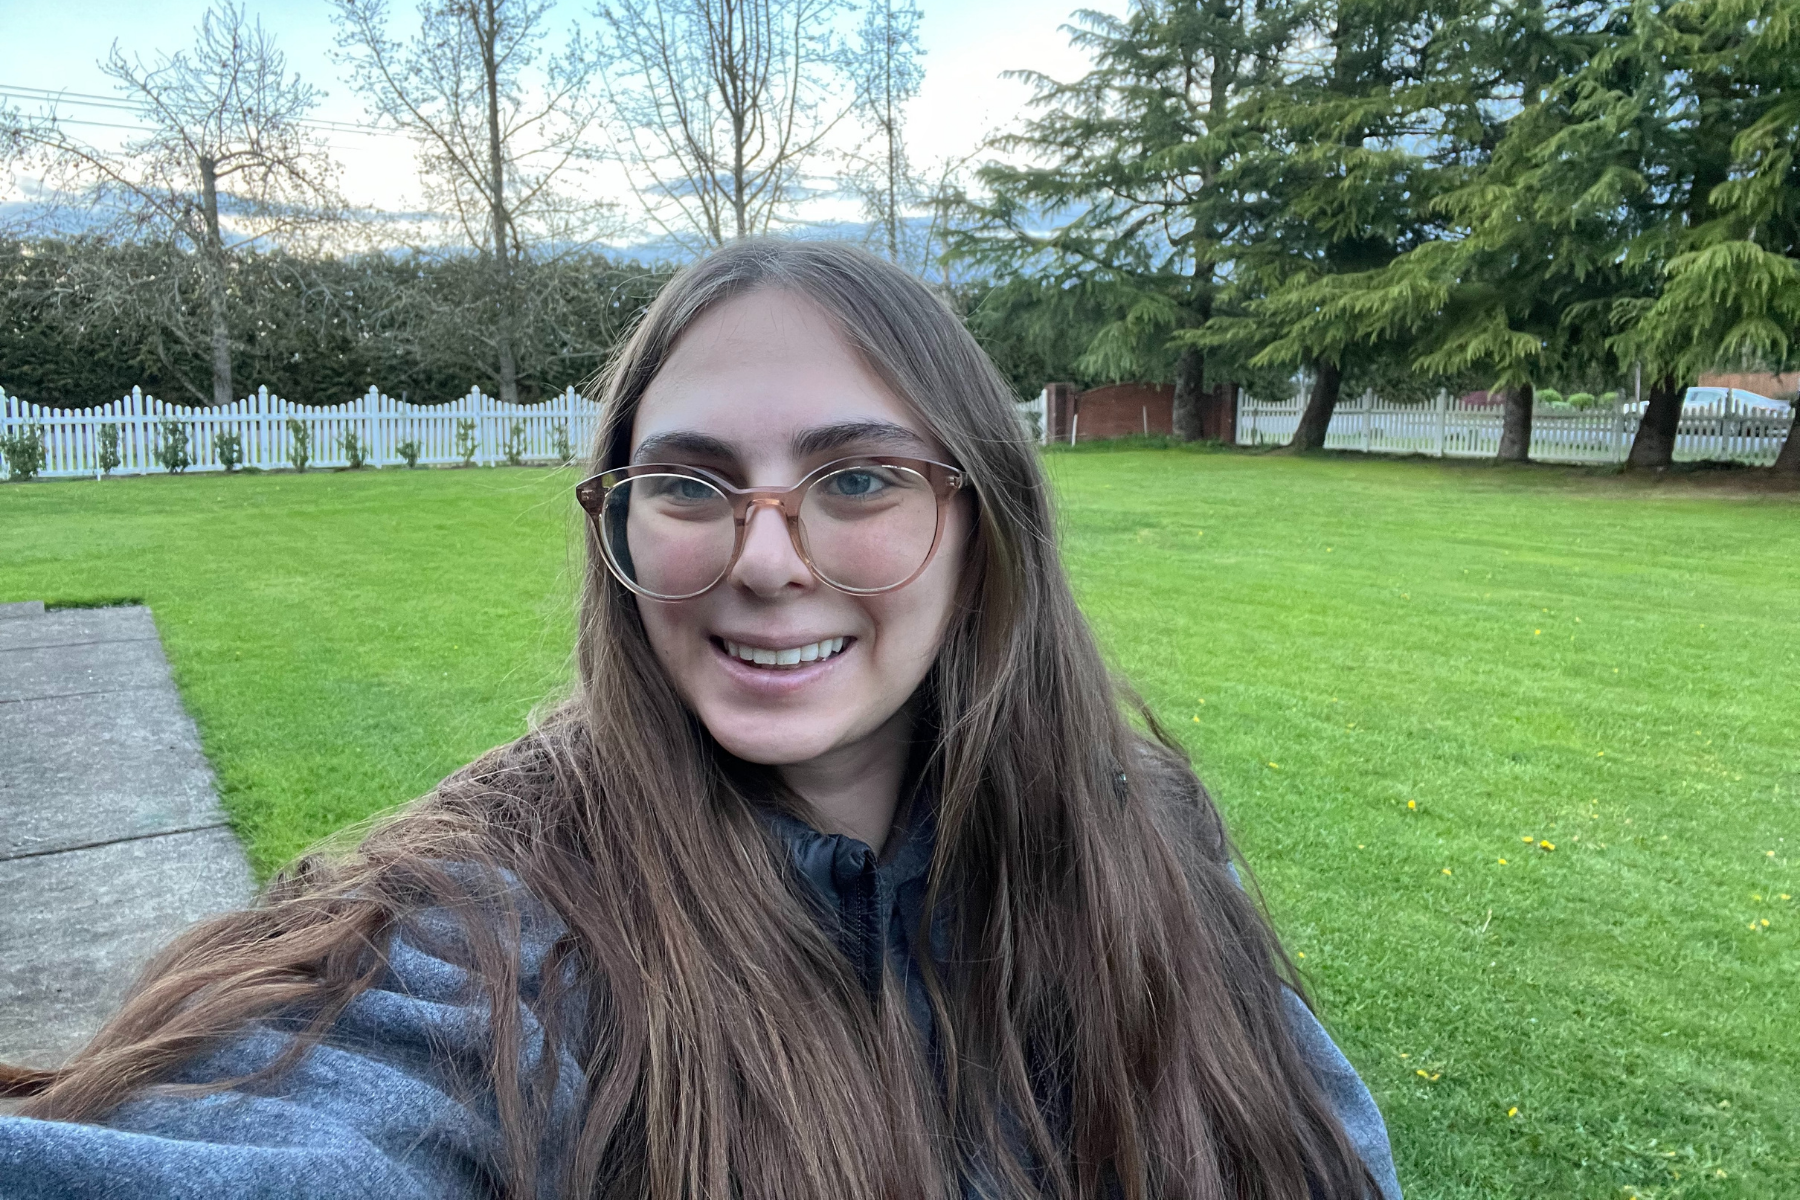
592 493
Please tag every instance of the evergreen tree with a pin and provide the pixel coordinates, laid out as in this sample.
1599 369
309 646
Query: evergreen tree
1731 296
1120 221
1351 149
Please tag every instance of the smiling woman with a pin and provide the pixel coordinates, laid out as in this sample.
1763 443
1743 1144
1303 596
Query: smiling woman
843 873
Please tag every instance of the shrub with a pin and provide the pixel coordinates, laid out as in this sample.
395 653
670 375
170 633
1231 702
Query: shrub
409 450
24 452
108 438
230 449
172 446
1582 400
559 442
514 445
353 448
466 445
1549 396
299 443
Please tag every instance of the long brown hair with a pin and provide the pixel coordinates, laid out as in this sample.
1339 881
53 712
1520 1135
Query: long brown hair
1111 1013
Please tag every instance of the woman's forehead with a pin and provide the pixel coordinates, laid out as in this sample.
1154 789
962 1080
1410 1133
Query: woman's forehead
767 375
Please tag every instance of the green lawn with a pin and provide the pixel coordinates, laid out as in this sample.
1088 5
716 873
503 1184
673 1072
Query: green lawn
1392 674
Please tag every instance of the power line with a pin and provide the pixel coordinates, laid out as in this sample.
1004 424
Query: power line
117 104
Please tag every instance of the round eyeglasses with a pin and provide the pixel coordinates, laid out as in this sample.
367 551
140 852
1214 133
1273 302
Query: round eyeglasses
862 525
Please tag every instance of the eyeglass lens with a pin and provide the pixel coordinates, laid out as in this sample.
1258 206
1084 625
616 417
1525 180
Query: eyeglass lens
865 528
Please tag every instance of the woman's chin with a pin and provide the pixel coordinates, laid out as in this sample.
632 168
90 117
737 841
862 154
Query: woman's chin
773 743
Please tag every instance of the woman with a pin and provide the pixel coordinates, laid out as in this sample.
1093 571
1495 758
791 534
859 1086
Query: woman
847 872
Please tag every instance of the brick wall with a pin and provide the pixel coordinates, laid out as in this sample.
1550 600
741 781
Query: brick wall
1122 409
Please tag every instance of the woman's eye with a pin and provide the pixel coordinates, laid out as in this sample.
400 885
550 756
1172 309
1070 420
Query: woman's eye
855 483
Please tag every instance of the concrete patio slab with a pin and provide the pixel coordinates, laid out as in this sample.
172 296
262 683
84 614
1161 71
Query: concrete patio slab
80 669
60 626
80 925
111 836
83 770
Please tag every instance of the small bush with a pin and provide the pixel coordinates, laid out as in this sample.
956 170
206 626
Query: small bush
107 436
230 449
353 449
172 446
300 443
514 445
409 450
1549 396
1582 400
466 445
24 452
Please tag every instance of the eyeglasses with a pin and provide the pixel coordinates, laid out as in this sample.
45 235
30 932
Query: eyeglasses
861 525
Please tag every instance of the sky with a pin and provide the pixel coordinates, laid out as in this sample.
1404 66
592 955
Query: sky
968 44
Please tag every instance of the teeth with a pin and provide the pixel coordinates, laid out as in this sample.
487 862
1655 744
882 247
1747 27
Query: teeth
790 657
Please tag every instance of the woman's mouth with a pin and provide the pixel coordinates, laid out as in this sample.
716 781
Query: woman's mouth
784 658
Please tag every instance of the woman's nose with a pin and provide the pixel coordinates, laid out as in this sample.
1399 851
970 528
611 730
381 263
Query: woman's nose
769 564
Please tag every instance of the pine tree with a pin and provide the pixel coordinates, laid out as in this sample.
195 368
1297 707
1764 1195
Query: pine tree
1731 296
1128 207
1352 148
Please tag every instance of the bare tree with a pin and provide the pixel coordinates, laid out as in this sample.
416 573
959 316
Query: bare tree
721 105
227 161
501 126
887 71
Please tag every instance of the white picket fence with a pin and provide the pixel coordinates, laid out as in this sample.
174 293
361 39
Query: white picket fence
381 424
1715 427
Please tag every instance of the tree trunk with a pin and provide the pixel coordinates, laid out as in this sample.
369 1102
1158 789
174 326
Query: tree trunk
1190 373
1515 424
1788 461
212 270
503 274
1654 445
1328 380
1655 441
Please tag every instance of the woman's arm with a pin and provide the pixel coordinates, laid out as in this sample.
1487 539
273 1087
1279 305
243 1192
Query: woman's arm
1346 1093
390 1105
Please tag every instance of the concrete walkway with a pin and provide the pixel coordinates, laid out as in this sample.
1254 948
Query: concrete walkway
111 835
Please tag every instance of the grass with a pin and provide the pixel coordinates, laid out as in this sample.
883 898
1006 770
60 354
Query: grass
1392 674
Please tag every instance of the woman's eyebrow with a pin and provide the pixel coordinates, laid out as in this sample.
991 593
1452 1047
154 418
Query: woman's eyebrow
682 441
823 438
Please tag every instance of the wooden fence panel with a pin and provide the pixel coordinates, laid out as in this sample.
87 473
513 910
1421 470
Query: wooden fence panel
1723 429
535 433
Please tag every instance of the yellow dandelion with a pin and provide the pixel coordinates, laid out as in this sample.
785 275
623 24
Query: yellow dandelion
1413 804
1785 896
1437 1077
1752 927
1423 1074
1536 632
1599 754
1196 718
1302 954
1503 862
1447 871
1754 896
1768 854
1765 922
1275 766
1546 845
1513 1111
1526 840
1360 846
